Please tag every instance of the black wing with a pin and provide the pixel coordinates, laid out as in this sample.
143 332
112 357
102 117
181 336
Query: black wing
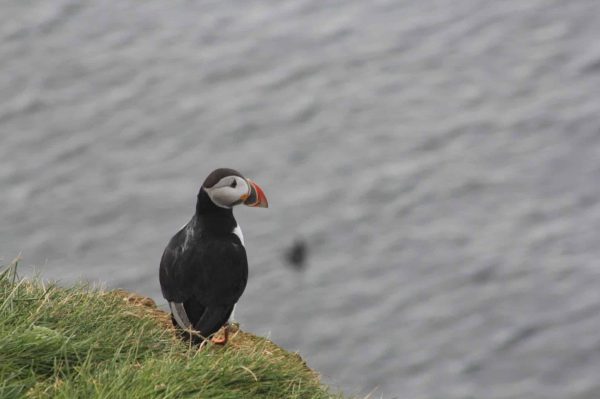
212 271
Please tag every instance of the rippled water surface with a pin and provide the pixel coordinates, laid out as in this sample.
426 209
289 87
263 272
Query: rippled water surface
440 158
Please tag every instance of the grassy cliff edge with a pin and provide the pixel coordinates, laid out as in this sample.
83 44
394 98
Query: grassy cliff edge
82 343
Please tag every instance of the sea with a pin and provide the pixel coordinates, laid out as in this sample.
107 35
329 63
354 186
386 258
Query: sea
439 160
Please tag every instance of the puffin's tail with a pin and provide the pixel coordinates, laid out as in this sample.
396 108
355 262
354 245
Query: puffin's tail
204 321
213 318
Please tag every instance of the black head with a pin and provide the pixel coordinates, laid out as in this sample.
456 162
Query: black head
216 175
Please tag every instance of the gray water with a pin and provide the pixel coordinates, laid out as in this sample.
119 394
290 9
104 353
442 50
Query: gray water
440 158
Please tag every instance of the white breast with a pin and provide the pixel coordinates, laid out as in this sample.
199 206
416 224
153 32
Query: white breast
238 232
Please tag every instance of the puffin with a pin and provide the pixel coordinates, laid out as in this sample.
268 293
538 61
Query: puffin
204 269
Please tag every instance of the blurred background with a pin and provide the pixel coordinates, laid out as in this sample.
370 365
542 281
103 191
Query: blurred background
438 160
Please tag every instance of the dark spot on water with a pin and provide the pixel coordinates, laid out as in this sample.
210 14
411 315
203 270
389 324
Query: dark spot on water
296 254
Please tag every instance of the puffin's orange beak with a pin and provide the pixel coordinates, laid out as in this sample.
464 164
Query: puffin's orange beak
256 196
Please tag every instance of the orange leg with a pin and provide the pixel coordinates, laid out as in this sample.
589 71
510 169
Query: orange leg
222 340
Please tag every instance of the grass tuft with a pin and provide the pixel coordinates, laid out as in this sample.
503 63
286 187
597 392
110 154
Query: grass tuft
83 343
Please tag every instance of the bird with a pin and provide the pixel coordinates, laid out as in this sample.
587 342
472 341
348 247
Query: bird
204 269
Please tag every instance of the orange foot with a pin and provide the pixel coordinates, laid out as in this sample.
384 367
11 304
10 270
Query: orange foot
222 340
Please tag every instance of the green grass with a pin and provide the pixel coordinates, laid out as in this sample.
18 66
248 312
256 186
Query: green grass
83 343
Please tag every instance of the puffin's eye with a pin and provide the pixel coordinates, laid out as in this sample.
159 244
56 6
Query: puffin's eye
233 183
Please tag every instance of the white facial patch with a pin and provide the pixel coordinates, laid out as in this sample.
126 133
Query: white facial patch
228 191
